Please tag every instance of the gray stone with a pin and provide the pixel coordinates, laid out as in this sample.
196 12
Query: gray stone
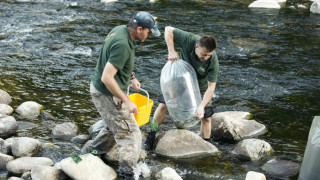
8 126
315 7
269 4
251 175
65 131
168 174
4 159
5 98
29 109
45 173
235 126
5 109
254 149
180 143
89 168
281 168
25 146
24 164
81 139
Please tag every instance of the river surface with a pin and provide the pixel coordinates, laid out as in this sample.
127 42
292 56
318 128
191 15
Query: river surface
269 66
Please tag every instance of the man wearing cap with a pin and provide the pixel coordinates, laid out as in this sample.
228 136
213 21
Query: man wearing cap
112 75
200 53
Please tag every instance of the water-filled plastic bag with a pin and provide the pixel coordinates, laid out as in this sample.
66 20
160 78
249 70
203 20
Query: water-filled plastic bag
180 89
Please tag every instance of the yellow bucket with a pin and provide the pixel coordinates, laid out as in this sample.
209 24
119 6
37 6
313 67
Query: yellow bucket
144 105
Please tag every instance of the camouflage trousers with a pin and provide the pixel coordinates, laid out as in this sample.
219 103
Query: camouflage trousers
120 128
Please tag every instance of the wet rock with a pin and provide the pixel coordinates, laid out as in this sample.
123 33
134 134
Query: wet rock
29 109
235 126
168 174
269 4
315 7
8 126
65 131
4 159
3 36
5 98
8 144
45 172
281 168
89 168
251 175
254 149
113 155
3 149
24 164
26 175
108 1
15 178
80 139
47 116
25 146
180 143
5 109
25 125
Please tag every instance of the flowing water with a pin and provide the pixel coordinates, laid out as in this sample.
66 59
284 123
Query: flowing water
269 66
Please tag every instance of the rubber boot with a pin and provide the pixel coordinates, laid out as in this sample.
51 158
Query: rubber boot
148 144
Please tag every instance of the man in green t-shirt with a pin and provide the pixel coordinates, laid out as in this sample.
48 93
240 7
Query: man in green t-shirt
113 74
200 53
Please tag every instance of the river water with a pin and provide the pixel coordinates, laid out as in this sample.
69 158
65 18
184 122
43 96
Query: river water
269 66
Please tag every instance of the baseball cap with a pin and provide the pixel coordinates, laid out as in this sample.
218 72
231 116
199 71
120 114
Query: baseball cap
146 20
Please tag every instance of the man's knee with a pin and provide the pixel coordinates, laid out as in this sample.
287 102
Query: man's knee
162 107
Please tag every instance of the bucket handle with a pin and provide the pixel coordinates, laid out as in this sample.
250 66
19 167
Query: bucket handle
141 90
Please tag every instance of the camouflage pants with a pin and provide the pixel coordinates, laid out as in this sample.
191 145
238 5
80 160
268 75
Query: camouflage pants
120 127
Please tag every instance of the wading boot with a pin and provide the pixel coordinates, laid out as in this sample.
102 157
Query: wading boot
148 144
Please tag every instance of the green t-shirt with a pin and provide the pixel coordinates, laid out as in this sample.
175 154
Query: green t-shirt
205 70
118 49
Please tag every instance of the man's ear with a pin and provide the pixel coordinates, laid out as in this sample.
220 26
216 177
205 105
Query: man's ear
139 29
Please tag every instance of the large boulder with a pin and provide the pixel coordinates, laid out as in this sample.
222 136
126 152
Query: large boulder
281 168
180 143
251 175
315 7
268 4
113 154
4 159
253 149
5 109
25 146
65 131
39 172
168 174
89 168
5 98
235 126
29 109
24 164
8 126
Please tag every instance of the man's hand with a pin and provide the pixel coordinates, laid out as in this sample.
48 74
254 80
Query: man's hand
200 113
135 84
173 56
132 107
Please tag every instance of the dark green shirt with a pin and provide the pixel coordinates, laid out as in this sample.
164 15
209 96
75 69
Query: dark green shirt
205 70
118 49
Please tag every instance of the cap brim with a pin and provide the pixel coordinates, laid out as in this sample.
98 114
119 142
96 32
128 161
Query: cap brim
155 32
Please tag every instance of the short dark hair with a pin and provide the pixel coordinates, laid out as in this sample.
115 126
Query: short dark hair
208 42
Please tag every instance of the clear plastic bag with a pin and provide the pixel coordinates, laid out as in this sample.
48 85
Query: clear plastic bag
181 92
